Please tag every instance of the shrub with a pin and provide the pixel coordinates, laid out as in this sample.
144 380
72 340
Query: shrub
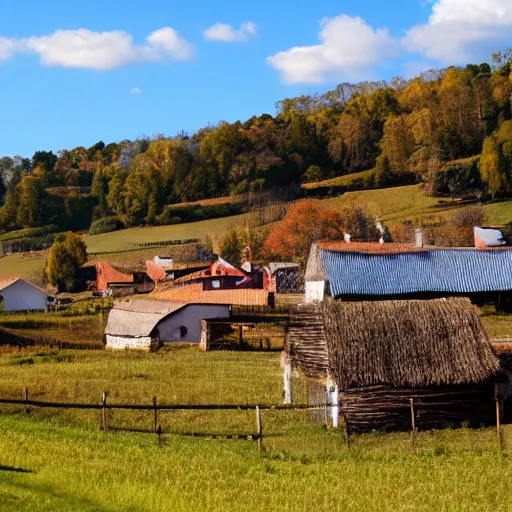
455 178
106 225
177 214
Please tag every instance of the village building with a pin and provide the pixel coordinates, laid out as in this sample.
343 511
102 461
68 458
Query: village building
382 271
286 277
17 294
195 293
373 358
147 324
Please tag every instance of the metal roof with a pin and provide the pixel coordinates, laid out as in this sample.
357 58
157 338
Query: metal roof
439 270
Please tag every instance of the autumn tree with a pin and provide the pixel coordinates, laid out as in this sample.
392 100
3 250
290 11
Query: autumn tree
305 222
65 257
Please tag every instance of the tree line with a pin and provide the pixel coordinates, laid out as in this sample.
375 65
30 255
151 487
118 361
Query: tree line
449 128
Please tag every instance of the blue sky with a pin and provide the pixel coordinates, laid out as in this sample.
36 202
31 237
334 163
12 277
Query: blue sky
73 73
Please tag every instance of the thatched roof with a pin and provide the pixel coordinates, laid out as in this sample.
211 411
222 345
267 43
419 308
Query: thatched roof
315 268
407 343
138 318
305 341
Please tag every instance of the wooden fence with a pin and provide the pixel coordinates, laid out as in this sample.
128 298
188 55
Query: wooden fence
154 408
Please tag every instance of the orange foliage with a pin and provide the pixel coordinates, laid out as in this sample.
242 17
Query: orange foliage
305 222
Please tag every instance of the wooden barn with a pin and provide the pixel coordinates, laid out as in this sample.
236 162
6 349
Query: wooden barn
374 271
378 356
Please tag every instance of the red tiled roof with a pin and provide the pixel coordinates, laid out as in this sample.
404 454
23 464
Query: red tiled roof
194 294
216 269
105 274
369 247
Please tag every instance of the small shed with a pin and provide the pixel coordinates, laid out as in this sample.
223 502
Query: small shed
286 277
382 354
17 294
146 324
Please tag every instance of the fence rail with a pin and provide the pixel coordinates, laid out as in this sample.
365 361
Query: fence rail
104 406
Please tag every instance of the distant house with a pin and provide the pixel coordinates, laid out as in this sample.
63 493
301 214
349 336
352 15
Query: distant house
373 271
194 293
17 294
146 324
374 357
120 284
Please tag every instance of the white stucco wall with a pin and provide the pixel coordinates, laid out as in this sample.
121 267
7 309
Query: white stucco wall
189 317
315 291
123 342
22 296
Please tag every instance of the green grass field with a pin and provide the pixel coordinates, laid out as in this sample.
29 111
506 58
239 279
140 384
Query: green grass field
127 239
399 204
121 241
73 466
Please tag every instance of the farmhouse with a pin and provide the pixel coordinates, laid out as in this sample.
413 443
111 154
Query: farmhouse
146 324
374 271
16 294
381 355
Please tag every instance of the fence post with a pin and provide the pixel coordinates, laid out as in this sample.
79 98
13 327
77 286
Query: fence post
159 433
259 428
288 395
26 400
413 423
347 430
104 411
498 416
155 415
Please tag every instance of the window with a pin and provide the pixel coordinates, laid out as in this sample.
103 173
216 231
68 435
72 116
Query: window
183 331
216 284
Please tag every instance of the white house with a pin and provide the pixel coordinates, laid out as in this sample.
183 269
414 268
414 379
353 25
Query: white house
16 294
146 324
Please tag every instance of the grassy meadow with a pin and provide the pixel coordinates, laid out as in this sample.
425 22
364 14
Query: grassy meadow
70 465
127 239
410 203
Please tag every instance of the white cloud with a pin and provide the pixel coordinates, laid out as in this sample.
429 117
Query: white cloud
8 48
136 91
228 34
85 48
349 49
459 31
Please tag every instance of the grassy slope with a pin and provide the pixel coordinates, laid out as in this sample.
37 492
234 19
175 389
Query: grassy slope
410 203
304 466
127 239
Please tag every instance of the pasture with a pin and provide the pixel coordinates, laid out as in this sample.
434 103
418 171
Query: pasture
410 203
70 465
127 239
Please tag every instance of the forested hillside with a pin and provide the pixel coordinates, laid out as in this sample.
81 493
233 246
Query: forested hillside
450 129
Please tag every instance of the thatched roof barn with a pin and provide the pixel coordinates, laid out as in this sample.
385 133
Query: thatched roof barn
383 353
373 271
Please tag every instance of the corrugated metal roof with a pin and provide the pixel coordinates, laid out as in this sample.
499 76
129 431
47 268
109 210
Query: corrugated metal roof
440 270
194 294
